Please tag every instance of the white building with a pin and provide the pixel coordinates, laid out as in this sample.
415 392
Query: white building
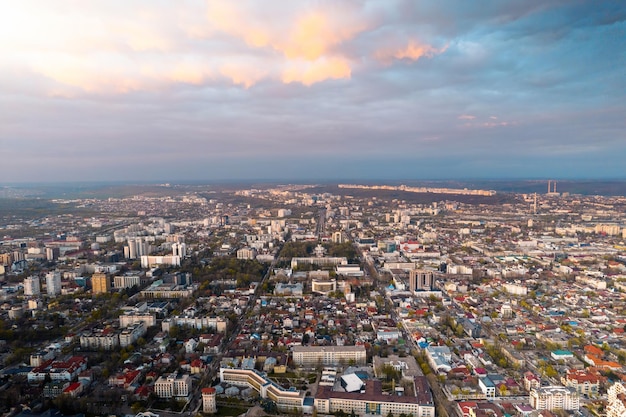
328 355
617 401
173 386
372 401
150 261
323 286
179 249
554 398
439 358
209 404
53 283
130 318
515 289
285 399
129 335
32 287
126 281
246 253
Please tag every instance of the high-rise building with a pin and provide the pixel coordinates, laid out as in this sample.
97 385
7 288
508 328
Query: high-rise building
420 279
52 254
6 259
554 398
32 286
100 284
179 249
136 248
337 237
617 400
53 283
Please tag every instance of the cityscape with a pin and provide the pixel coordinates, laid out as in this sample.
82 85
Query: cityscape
312 208
313 299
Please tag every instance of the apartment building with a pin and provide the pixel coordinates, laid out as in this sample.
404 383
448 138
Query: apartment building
554 398
328 355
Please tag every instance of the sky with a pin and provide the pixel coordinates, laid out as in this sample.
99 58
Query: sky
155 90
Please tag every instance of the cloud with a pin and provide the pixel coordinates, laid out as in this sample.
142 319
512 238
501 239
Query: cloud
413 51
309 73
242 74
380 79
149 47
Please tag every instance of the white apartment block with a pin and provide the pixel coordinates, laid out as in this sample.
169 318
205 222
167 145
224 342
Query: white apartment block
129 335
515 289
173 386
328 355
555 398
32 287
246 253
53 283
617 401
130 318
126 281
105 339
217 323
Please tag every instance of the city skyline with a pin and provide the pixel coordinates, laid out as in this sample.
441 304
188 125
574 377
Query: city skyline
214 90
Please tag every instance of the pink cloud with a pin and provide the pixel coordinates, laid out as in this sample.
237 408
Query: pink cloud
413 51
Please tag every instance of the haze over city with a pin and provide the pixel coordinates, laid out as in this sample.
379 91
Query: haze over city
206 90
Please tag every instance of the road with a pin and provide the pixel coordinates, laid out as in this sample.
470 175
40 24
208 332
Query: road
212 371
320 228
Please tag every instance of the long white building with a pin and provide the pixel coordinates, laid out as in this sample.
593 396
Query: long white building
373 401
286 400
328 355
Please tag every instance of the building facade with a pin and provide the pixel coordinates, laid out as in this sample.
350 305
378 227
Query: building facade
100 284
420 280
32 286
617 401
209 405
554 398
173 386
328 355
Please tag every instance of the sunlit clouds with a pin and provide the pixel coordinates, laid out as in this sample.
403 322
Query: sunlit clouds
116 49
200 89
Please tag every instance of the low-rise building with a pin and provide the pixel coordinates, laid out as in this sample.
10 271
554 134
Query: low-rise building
173 386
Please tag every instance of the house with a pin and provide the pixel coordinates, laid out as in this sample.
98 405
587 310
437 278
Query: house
191 345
